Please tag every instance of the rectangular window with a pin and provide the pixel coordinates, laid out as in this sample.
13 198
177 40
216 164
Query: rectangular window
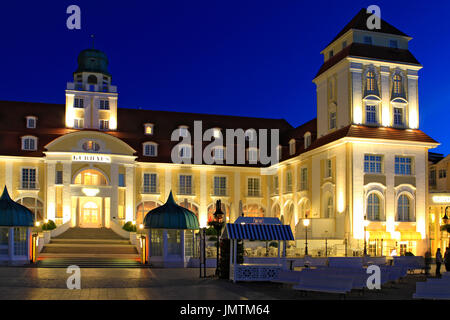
253 185
304 179
393 44
29 178
328 168
20 241
220 186
150 150
331 53
29 144
403 165
373 164
398 116
121 180
148 129
442 173
371 114
332 120
367 40
78 123
432 177
104 124
59 177
288 181
275 184
150 185
104 104
78 103
185 184
31 123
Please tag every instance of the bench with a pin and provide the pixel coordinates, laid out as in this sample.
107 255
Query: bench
432 290
288 277
320 282
345 262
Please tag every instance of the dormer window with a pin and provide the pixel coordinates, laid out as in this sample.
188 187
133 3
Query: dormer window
31 122
78 103
330 54
292 147
29 143
367 40
148 128
104 105
307 138
150 149
183 131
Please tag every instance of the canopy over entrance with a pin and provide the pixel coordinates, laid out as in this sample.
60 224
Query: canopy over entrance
264 229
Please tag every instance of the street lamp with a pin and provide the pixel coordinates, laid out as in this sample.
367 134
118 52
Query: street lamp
217 223
366 223
306 224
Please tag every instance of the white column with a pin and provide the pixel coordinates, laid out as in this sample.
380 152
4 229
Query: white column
129 193
203 210
114 190
357 107
167 183
385 97
237 196
413 103
51 193
67 201
113 113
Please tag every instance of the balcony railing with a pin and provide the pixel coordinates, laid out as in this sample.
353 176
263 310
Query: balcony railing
254 193
91 87
29 186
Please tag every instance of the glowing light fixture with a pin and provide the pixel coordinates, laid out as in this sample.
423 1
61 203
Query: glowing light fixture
306 222
90 192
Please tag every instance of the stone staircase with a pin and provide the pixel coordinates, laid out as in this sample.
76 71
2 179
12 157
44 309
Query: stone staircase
89 248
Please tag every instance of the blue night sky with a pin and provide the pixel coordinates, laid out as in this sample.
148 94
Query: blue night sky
252 58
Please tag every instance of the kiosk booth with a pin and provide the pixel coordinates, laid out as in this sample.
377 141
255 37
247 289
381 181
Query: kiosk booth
263 229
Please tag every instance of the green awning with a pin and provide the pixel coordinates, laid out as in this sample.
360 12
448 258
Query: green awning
13 214
171 216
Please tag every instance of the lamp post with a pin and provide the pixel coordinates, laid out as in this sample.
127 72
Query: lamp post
306 224
217 223
366 223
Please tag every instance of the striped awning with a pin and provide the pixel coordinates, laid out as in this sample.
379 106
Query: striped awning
264 232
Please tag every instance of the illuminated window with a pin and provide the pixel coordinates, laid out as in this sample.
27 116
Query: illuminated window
143 208
373 164
289 181
371 114
329 207
104 124
370 81
307 138
29 179
91 146
275 184
253 210
292 147
185 185
332 120
398 116
373 207
397 85
304 179
34 205
403 165
78 123
150 183
220 186
91 177
78 103
328 168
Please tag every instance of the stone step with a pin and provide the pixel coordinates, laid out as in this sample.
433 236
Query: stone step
89 263
92 249
90 233
89 255
88 241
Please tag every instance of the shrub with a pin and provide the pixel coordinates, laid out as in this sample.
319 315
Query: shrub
129 227
213 238
50 225
211 231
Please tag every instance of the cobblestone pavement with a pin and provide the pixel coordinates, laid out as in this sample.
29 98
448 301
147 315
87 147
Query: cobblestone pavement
168 284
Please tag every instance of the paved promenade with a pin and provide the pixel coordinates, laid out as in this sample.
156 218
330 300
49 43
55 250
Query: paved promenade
168 284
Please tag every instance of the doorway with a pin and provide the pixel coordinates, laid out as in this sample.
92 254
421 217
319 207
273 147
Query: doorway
90 215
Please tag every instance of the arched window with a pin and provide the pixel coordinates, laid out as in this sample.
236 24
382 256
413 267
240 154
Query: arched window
143 208
291 147
253 210
373 207
92 79
91 177
370 81
403 208
307 138
397 85
190 206
35 206
276 211
305 208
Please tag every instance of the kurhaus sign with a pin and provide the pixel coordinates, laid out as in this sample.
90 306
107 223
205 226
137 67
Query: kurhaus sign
90 158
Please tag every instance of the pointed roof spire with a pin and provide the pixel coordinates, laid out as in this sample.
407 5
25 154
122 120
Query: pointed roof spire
13 214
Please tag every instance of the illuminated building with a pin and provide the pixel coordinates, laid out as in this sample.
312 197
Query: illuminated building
89 163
